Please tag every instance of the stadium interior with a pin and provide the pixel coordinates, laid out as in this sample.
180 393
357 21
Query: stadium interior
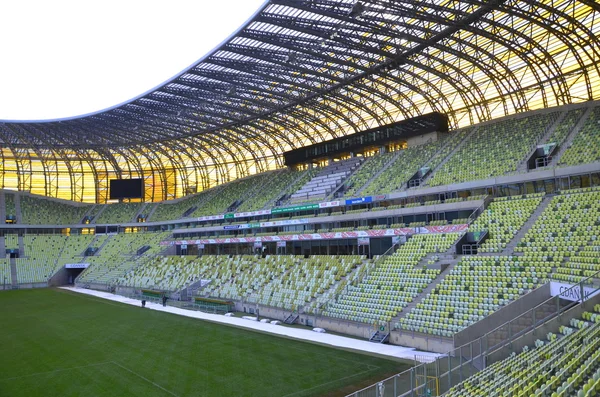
425 174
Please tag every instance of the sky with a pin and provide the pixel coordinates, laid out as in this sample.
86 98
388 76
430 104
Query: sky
60 59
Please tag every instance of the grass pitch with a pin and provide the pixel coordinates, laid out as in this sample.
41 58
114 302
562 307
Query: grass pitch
58 343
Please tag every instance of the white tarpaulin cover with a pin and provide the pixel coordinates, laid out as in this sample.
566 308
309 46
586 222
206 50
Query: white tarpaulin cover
295 333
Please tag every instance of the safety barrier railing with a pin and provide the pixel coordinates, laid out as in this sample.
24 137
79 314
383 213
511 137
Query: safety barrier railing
438 376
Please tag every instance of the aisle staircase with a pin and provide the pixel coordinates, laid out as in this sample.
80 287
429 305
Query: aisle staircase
419 298
139 212
88 212
380 337
92 244
22 246
13 273
336 192
569 139
286 191
522 167
152 211
292 318
449 156
512 244
194 288
2 207
99 213
381 171
18 208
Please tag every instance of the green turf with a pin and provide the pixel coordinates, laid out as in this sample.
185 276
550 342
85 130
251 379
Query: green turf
58 343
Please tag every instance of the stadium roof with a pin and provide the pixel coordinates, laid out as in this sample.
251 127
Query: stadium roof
303 71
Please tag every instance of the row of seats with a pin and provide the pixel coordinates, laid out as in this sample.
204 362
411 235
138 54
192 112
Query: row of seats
230 193
585 147
410 161
370 167
565 235
318 304
251 274
44 254
175 209
306 279
118 255
393 284
74 249
406 163
9 204
565 364
169 273
564 128
325 180
5 276
40 211
11 241
38 262
288 282
476 287
503 219
494 149
270 191
118 212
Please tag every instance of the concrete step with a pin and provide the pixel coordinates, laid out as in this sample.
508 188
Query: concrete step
332 195
286 190
522 167
139 212
2 207
569 139
152 210
381 171
102 209
449 156
90 210
13 272
425 292
18 208
512 244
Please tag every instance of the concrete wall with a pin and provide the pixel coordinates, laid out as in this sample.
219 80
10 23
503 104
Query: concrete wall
505 314
351 328
32 285
501 180
422 139
540 332
125 291
420 341
95 286
356 329
61 277
419 210
170 250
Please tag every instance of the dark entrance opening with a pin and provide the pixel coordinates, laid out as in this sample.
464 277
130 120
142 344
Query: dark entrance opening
72 275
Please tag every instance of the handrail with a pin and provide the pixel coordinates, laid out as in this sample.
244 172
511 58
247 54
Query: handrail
368 266
479 341
477 211
560 310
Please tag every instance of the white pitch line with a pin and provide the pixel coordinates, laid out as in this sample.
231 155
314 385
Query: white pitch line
144 378
56 370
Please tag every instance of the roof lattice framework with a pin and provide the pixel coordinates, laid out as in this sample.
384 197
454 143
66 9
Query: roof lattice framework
303 71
